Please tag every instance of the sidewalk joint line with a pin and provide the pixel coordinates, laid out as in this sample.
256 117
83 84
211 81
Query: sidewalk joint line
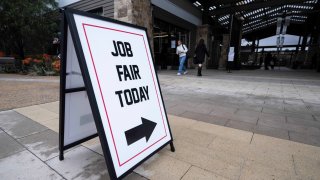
314 118
92 150
186 172
251 137
33 133
294 165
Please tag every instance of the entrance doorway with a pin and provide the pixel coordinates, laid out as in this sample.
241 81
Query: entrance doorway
165 37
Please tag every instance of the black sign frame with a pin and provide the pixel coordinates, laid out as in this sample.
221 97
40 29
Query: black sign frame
69 21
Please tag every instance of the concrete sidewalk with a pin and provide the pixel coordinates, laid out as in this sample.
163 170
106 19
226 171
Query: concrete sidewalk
29 150
283 104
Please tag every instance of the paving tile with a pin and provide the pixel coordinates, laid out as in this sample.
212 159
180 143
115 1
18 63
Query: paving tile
306 130
315 110
306 167
92 142
303 138
53 106
134 176
52 124
176 110
24 165
272 123
94 145
241 125
271 158
18 125
202 108
253 170
216 161
194 137
285 146
8 145
270 102
303 122
296 109
281 124
198 173
27 109
305 116
7 116
252 100
245 118
180 121
213 153
80 163
222 111
272 117
229 146
169 104
273 111
271 131
43 144
257 108
225 132
248 113
293 102
40 115
162 167
205 118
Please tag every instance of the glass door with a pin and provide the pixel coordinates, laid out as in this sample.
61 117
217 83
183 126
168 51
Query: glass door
165 38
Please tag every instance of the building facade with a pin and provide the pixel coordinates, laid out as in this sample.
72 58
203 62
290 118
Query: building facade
166 21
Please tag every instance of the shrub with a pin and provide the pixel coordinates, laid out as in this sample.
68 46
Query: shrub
42 65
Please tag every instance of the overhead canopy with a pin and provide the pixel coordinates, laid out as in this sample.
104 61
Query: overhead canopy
260 16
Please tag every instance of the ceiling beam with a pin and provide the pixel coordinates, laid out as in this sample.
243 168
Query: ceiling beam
253 6
218 2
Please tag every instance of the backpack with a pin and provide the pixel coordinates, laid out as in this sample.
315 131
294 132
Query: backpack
188 54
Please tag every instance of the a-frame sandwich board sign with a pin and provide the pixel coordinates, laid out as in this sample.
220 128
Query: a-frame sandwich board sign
109 87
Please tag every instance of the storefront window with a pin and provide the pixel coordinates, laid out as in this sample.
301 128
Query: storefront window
165 37
97 11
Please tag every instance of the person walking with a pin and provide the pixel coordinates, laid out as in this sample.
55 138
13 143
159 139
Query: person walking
260 61
182 52
200 52
273 61
267 60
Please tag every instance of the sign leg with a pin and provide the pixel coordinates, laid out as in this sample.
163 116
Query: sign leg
172 147
61 157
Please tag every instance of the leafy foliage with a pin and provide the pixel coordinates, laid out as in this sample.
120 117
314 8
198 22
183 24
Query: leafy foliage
27 26
41 65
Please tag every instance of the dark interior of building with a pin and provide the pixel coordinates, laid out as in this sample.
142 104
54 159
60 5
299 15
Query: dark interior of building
254 20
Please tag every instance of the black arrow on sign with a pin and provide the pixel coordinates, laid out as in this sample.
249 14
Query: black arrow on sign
141 131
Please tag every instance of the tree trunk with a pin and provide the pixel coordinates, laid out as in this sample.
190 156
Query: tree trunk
21 49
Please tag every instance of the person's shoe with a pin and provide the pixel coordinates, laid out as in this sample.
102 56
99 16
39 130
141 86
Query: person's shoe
199 71
178 74
186 72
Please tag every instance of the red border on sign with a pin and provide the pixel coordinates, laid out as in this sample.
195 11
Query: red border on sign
104 104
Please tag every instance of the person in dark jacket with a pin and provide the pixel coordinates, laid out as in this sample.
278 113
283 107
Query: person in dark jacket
201 51
267 60
273 61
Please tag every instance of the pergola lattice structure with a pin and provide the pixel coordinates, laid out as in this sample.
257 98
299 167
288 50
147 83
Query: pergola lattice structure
260 16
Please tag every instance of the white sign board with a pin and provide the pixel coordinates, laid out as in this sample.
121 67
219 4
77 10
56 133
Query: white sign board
78 119
118 69
231 54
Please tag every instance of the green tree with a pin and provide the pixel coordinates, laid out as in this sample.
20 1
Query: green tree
27 25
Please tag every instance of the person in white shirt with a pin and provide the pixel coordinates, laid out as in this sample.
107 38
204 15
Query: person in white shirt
181 51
